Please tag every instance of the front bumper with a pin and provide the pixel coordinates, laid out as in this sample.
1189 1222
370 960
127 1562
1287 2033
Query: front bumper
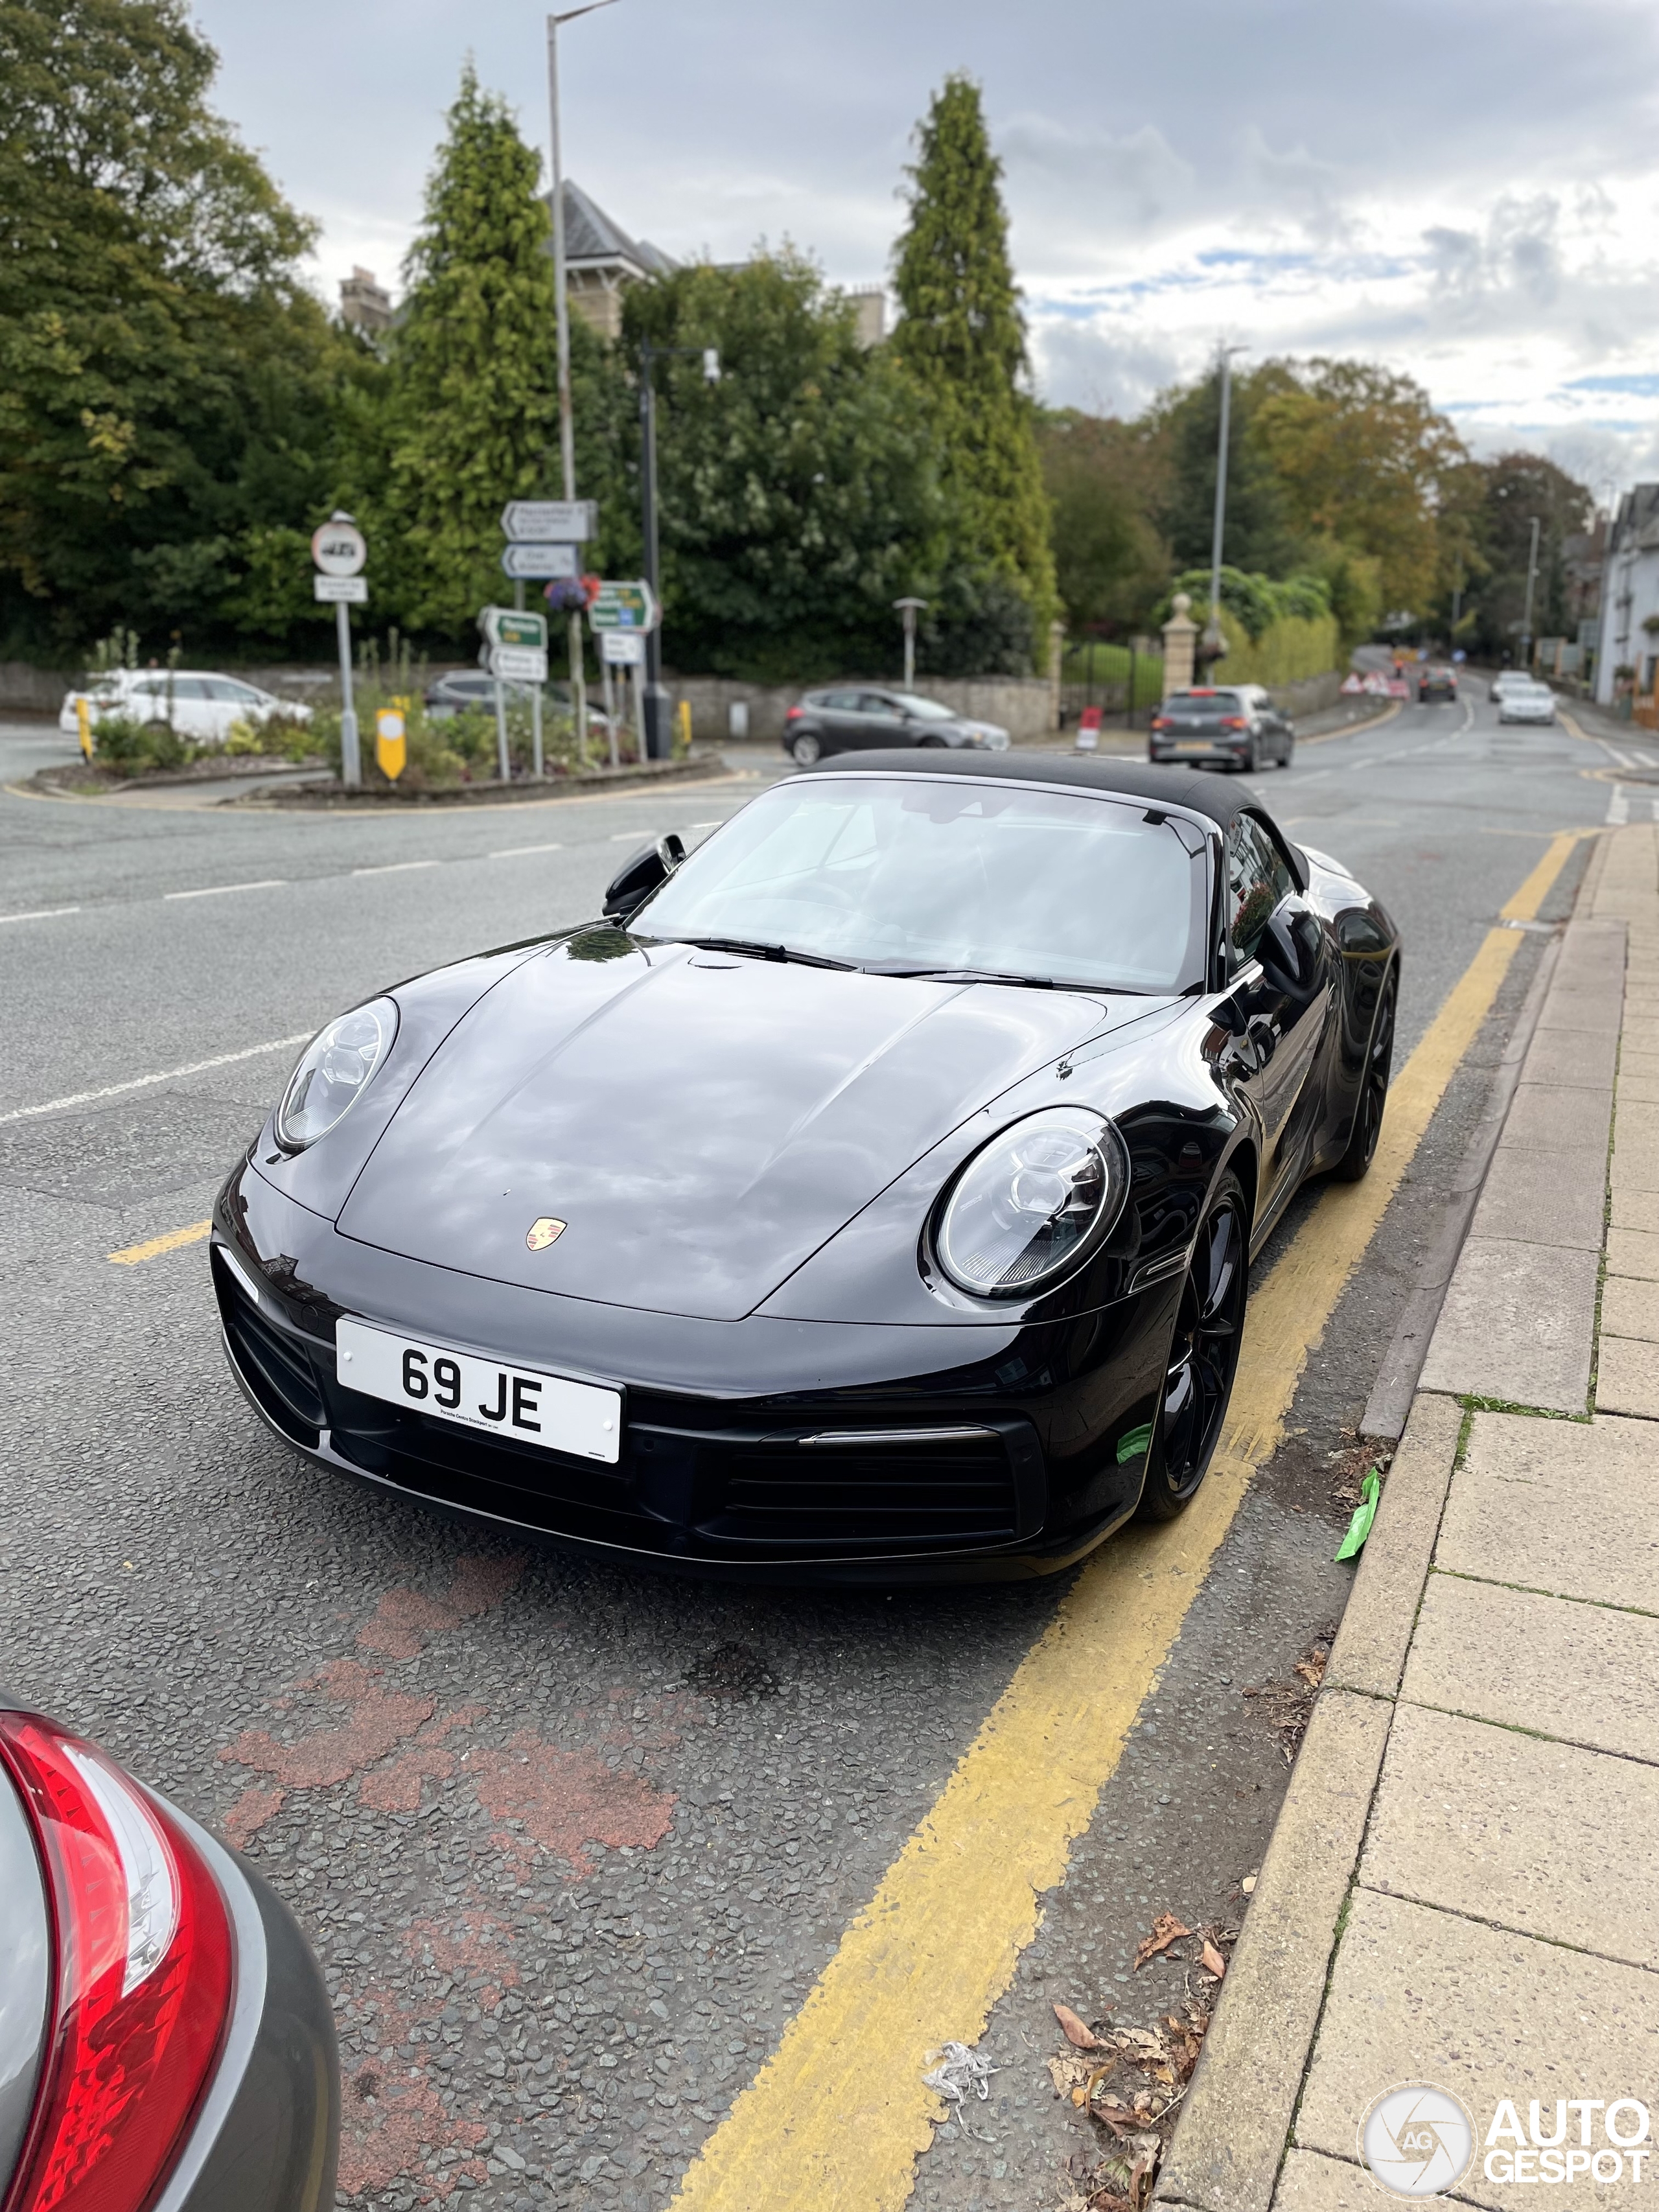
758 1450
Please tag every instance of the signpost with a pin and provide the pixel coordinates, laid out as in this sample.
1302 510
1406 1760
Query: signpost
515 652
567 521
339 550
531 558
624 606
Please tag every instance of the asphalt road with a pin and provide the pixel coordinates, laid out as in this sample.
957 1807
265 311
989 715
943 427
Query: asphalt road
574 1843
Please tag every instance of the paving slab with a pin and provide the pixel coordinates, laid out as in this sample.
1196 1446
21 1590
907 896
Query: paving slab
1560 1117
1546 1198
1634 1209
1310 2183
1584 1674
1637 1089
1517 1324
1547 1838
1635 1163
1629 1307
1566 1507
1370 1645
1633 1252
1237 2115
1419 1995
1585 1059
1627 1378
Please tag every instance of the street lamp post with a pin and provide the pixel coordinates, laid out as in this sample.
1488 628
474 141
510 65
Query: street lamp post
1213 630
1526 618
656 694
909 609
561 312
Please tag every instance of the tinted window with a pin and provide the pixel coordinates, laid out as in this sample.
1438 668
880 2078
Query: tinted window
1257 878
837 702
938 873
1201 702
877 702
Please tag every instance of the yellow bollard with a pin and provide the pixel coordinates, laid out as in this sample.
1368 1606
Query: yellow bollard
83 716
390 744
683 727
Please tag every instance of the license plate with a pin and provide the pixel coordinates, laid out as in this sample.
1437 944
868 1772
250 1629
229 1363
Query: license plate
530 1408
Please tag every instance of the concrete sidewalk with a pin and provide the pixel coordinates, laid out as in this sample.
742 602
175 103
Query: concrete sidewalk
1460 1888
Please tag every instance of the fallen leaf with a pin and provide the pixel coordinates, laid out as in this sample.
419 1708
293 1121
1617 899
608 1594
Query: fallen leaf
1211 1960
1166 1929
1074 2029
1079 2096
1067 2073
1142 2175
1312 1668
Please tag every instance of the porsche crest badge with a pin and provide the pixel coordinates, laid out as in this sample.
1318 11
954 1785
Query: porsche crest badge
545 1232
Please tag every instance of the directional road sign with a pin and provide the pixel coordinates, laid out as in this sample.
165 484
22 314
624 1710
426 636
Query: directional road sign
514 626
621 648
624 606
338 549
518 664
353 589
531 557
557 521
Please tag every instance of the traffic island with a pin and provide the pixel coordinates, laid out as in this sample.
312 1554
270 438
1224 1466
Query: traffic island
94 779
326 793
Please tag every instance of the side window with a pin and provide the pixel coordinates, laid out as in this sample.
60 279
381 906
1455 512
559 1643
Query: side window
878 704
1257 878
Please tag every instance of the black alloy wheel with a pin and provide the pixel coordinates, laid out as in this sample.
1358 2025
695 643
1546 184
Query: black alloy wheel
1203 1359
1373 1090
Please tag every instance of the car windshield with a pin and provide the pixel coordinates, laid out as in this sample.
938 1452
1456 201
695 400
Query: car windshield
948 875
1202 703
925 710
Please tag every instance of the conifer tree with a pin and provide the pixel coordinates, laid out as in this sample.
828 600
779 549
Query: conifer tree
962 338
476 399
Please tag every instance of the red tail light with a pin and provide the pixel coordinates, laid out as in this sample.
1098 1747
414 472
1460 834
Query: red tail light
143 1958
1160 722
792 715
1234 722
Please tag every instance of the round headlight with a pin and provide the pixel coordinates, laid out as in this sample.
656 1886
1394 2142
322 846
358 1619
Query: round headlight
1033 1203
333 1072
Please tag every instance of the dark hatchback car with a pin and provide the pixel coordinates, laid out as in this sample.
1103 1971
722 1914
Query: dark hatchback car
1239 727
866 717
1438 687
166 2039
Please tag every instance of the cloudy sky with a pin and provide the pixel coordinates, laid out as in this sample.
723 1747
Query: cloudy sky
1468 190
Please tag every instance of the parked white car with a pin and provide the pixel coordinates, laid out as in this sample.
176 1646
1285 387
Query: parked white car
201 707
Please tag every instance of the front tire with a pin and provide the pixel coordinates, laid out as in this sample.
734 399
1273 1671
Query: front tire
1373 1090
806 748
1203 1357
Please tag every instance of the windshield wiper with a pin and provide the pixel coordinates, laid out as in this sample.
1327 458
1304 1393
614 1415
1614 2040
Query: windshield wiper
756 952
969 975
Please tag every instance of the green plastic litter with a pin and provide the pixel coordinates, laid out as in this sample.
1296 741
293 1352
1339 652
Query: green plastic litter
1364 1514
1132 1445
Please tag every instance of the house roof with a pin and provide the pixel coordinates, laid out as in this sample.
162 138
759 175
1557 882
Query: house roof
592 237
1637 528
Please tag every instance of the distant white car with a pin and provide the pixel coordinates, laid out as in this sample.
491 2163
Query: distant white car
1511 680
1526 703
199 705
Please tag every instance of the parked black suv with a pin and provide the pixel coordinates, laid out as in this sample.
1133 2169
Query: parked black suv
1239 727
864 716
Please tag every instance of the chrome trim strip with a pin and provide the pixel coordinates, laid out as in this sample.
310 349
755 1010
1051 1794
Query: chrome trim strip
975 1433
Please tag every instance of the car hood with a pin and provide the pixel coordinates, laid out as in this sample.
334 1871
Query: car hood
701 1122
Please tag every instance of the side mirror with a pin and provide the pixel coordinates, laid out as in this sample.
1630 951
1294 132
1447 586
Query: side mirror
1283 948
633 882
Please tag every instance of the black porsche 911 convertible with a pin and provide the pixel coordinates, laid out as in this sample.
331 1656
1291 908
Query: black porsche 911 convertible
869 1196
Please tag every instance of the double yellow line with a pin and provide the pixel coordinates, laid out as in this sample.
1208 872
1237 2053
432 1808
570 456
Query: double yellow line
836 2118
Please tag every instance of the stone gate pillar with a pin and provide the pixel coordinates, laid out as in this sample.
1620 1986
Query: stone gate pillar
1180 637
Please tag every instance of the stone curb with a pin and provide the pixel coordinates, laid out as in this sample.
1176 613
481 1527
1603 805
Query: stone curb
335 798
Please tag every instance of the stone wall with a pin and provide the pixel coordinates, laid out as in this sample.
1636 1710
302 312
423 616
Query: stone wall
1023 705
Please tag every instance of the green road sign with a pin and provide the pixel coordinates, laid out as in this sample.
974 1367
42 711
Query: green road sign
624 606
514 626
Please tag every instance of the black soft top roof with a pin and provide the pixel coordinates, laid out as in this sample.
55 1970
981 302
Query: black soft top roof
1217 797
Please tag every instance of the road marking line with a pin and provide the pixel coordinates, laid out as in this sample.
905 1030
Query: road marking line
1618 808
157 1245
144 1082
624 837
838 2117
218 890
39 913
396 867
517 852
